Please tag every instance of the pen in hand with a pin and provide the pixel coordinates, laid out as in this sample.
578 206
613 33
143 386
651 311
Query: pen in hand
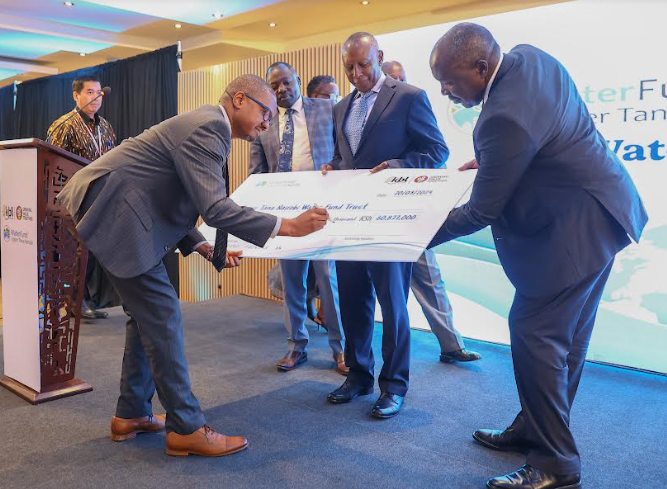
320 207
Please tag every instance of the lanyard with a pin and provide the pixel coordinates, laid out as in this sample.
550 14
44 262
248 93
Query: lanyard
97 142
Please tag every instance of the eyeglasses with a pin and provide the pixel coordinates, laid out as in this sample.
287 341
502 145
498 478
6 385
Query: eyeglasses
267 111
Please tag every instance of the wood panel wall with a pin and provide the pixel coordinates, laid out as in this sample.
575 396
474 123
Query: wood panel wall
198 279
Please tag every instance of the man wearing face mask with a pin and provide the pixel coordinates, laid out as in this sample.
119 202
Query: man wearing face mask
137 202
428 286
381 124
88 135
300 139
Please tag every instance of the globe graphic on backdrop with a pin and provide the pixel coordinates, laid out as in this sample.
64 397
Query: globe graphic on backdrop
636 286
462 118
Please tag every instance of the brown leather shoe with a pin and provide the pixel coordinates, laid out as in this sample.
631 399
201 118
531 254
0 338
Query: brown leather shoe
205 442
292 360
123 429
341 368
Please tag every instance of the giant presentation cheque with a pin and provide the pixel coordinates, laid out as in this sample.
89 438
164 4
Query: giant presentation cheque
391 215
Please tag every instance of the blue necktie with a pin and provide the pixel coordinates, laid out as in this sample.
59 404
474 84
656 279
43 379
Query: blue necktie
356 122
287 144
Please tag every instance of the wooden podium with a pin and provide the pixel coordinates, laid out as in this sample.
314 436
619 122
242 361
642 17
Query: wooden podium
43 272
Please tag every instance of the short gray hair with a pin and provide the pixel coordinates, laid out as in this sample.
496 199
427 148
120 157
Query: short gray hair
467 43
253 85
361 36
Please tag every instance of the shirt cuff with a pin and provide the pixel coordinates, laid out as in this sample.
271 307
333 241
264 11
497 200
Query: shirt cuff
279 223
194 248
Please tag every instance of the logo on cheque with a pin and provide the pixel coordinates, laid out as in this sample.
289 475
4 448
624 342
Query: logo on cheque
397 179
421 179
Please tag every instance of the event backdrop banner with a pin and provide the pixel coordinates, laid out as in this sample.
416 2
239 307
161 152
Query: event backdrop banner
610 48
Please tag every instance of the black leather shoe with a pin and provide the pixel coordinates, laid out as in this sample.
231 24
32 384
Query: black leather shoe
88 313
347 392
528 477
459 356
387 406
504 441
100 314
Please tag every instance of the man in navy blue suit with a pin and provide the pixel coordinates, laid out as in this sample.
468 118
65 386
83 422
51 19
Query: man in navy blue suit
382 124
560 205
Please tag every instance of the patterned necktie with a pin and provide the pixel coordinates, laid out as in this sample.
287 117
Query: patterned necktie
356 122
287 144
220 247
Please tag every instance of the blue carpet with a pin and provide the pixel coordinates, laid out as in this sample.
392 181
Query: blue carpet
299 440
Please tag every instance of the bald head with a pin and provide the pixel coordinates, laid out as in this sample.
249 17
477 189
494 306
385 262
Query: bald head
394 69
463 61
362 59
252 85
250 104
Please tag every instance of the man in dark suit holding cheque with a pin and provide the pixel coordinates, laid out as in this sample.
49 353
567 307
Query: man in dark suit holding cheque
382 124
560 205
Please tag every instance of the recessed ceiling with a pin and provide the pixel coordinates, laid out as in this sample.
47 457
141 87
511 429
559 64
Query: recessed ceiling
44 37
192 11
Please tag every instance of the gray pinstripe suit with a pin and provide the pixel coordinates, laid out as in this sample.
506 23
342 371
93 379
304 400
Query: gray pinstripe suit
132 206
264 153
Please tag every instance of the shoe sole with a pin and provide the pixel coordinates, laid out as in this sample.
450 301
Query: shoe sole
452 360
571 486
384 416
131 435
289 369
367 392
511 448
185 453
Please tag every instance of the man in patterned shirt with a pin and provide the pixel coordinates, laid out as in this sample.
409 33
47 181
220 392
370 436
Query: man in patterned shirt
88 135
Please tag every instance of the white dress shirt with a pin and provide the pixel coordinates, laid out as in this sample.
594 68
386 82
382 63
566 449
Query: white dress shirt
493 77
370 99
302 157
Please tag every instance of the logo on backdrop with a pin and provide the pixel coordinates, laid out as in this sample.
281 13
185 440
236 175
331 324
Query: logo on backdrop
19 213
8 212
462 118
6 234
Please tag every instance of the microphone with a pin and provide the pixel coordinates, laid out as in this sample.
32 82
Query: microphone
104 92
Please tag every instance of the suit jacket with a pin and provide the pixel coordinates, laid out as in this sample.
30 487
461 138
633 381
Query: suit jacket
265 150
400 129
559 201
159 183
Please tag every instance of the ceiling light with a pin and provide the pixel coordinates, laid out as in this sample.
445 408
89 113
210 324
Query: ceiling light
365 2
82 54
217 15
272 24
178 26
68 4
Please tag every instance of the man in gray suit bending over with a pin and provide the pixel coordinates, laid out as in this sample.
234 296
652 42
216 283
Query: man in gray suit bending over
300 139
136 203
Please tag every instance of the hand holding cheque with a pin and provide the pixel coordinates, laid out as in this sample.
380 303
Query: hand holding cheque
390 215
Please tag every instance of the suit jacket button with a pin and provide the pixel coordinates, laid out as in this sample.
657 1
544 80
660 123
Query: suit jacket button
166 248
